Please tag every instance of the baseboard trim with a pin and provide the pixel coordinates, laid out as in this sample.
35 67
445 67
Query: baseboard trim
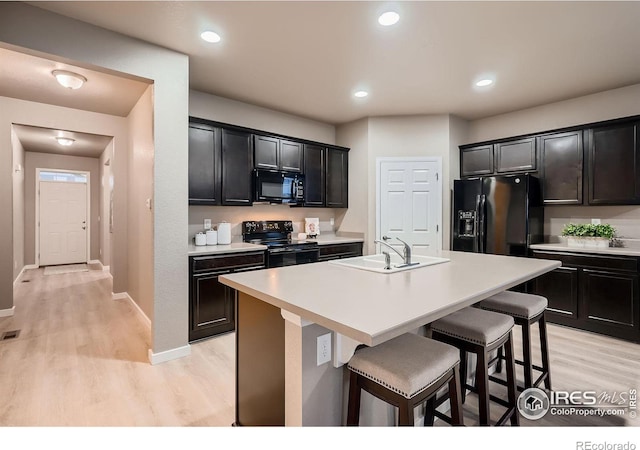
95 261
106 268
8 312
168 355
26 267
141 314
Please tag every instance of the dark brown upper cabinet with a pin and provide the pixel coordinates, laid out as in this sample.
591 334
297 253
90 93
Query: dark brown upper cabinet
561 168
475 161
614 164
337 178
314 175
237 168
273 153
204 164
515 156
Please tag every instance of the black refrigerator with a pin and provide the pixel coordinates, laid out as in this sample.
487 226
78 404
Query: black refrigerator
502 215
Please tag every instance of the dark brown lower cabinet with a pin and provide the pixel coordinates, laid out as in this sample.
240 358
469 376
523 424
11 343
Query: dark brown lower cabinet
211 303
593 292
338 251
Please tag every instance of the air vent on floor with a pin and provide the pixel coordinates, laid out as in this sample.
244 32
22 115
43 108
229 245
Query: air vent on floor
9 335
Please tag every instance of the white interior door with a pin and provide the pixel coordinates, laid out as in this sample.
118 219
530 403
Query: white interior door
63 223
410 204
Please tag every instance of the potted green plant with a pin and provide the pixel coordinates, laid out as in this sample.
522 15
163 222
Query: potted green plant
589 235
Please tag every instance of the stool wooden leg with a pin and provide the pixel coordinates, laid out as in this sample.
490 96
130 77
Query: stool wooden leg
482 386
544 346
430 412
463 374
455 398
511 379
353 409
405 414
526 352
500 357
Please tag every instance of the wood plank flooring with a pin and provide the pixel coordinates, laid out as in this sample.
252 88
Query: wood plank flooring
81 360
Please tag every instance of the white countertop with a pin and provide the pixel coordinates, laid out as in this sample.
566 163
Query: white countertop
620 251
329 239
201 250
372 307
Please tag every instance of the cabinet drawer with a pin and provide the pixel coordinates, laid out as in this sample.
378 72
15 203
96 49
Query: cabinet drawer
227 261
606 262
340 251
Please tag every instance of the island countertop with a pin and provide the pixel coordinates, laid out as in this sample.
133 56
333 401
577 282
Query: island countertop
373 307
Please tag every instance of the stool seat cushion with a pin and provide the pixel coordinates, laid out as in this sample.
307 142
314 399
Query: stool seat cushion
516 304
407 364
474 325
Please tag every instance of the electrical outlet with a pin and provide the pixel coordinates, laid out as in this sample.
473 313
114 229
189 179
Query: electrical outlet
324 349
332 222
595 221
207 224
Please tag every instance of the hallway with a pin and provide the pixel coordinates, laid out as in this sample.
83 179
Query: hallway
81 360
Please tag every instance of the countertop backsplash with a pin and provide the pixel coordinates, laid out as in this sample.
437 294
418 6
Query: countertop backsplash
625 219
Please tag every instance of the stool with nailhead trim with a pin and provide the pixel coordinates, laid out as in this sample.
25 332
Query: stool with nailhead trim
405 372
480 332
526 309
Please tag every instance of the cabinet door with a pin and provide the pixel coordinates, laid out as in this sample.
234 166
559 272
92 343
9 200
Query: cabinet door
561 167
290 156
515 156
266 152
476 161
212 308
314 172
610 302
204 165
337 178
560 287
237 165
339 251
614 165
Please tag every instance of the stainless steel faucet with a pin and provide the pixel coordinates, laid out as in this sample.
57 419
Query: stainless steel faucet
405 255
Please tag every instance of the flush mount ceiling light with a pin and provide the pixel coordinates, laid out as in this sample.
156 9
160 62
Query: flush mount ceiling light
66 142
68 79
360 94
210 36
484 82
389 18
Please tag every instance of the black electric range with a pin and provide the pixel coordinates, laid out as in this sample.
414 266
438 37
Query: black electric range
281 249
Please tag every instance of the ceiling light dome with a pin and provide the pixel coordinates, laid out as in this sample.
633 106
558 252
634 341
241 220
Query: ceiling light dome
388 18
66 142
68 79
484 82
360 94
210 36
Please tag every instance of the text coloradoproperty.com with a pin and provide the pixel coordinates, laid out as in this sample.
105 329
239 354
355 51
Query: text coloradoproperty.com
571 411
588 445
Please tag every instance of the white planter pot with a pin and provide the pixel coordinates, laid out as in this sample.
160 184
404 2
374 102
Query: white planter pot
587 242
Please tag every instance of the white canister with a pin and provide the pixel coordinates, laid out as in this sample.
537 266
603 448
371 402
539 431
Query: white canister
224 233
212 237
201 239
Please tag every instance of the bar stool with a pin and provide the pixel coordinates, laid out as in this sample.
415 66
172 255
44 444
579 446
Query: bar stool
526 309
404 372
480 332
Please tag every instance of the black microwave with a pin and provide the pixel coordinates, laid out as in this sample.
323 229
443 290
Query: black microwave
278 187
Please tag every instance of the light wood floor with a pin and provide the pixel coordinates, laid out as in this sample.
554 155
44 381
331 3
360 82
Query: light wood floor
81 360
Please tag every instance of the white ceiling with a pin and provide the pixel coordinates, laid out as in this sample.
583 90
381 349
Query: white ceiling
307 58
43 140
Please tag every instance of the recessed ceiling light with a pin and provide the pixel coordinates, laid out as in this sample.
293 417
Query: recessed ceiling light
360 94
68 79
210 36
389 18
66 142
484 82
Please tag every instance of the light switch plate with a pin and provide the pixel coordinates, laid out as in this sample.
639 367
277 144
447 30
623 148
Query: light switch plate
207 224
324 349
595 221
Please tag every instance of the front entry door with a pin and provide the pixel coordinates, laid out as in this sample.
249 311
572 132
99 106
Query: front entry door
63 223
410 204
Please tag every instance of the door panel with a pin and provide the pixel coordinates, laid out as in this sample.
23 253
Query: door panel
409 204
63 223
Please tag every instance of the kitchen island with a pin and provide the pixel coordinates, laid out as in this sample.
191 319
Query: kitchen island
281 312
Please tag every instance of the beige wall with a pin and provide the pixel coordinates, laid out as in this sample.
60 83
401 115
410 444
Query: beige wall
18 204
106 182
140 217
28 27
35 161
625 219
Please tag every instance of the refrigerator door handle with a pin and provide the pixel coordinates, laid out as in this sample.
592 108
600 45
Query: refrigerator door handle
477 225
483 201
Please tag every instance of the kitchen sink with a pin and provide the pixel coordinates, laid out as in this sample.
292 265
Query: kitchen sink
375 263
